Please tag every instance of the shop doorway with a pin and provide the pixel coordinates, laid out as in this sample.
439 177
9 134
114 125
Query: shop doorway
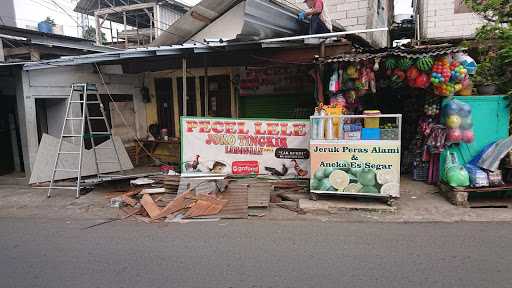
191 96
9 138
165 107
219 92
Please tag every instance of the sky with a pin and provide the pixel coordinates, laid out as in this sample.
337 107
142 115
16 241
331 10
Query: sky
30 12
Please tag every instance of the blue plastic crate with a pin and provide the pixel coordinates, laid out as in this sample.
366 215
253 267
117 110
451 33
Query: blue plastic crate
370 134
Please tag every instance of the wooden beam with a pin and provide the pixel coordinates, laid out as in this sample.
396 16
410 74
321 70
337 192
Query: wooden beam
184 86
35 55
2 57
200 17
16 51
121 9
98 30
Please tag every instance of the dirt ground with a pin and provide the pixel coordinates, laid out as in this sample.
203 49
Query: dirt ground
419 202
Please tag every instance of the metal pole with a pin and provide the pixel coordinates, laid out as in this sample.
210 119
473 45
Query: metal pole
184 88
325 35
125 32
206 96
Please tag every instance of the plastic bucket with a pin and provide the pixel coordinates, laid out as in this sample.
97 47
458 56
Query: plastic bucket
371 122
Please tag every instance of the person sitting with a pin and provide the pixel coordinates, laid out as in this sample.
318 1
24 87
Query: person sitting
319 22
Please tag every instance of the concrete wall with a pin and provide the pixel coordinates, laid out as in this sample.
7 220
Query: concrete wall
358 15
55 83
446 19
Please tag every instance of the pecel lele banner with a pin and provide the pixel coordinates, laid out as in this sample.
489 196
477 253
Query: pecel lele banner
245 146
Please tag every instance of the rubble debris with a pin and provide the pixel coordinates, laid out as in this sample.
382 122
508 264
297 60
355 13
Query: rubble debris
206 206
259 193
275 199
150 206
128 200
292 208
116 202
153 191
142 181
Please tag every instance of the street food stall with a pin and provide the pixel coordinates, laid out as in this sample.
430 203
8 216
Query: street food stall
356 155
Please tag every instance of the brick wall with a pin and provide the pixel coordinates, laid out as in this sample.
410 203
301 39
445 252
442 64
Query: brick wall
358 15
439 20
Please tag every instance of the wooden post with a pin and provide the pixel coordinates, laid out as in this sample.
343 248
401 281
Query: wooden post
98 29
206 90
184 88
2 57
197 81
111 32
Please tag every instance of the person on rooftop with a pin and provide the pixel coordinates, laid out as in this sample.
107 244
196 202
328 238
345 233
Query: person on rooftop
320 22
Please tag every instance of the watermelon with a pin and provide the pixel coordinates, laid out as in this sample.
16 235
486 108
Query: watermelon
404 63
425 64
390 63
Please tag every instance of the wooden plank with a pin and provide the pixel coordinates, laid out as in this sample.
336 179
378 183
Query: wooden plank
125 8
128 200
259 194
206 206
179 203
149 204
237 206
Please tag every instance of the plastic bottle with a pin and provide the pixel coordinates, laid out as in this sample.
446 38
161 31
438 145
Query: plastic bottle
315 123
329 129
321 126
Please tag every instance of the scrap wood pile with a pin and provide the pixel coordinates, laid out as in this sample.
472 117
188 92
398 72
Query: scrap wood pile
171 198
220 200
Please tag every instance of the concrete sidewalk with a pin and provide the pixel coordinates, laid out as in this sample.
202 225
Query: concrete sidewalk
418 203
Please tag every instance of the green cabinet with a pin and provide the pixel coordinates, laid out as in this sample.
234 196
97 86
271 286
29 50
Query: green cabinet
491 117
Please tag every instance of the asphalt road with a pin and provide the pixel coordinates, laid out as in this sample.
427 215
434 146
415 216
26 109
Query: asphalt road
57 253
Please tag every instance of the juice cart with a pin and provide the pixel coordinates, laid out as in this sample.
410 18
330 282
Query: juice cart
356 155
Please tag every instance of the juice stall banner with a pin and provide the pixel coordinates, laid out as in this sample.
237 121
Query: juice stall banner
245 146
356 168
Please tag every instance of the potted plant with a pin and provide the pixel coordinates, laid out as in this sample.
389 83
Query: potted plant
486 78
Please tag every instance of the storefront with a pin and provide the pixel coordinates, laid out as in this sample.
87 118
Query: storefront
446 136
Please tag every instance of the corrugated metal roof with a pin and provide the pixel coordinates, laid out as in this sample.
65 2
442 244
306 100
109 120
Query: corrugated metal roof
262 19
398 51
188 25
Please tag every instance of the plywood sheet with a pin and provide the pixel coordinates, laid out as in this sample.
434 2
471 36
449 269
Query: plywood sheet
45 159
237 206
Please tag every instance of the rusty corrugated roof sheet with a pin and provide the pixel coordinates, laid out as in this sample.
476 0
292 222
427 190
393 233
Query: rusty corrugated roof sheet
417 52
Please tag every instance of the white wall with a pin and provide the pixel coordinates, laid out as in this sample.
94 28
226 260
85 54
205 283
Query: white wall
438 20
55 83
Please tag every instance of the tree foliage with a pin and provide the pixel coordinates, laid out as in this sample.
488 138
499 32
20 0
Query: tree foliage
90 34
495 39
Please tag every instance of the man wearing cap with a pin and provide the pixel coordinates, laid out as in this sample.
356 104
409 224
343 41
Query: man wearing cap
320 22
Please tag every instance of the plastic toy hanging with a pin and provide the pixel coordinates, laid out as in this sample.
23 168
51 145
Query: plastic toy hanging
457 118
